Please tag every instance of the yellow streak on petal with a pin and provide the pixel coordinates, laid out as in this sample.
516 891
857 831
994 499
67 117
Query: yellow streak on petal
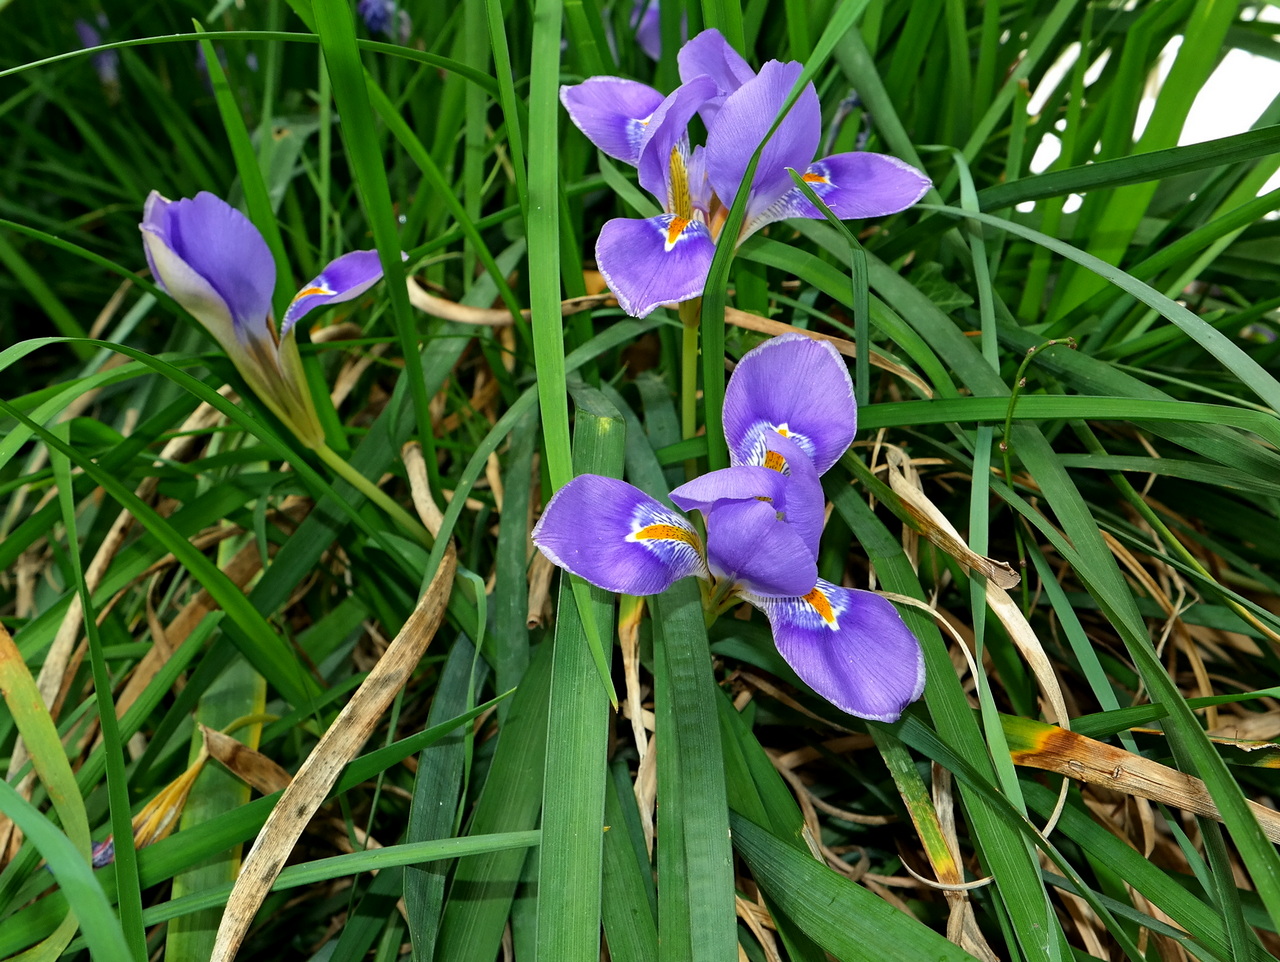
812 178
674 230
667 532
774 461
818 600
308 291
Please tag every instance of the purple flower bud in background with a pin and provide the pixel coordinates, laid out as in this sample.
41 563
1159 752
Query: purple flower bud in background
211 259
387 18
107 63
789 415
665 259
646 21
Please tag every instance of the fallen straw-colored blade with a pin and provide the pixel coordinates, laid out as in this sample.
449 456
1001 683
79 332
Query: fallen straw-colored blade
339 744
1037 745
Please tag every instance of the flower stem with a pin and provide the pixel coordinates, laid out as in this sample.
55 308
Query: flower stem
373 493
690 315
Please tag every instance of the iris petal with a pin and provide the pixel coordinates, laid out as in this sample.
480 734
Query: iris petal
647 263
849 646
710 54
343 279
667 129
613 113
854 186
744 119
617 537
795 386
749 545
206 237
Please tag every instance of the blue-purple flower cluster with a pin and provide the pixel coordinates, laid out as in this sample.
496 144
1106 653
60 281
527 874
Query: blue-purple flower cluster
789 415
665 259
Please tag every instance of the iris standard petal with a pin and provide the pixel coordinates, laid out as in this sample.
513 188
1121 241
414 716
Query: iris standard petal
849 646
667 130
647 263
613 113
710 54
744 119
794 386
854 186
749 545
343 279
617 537
220 245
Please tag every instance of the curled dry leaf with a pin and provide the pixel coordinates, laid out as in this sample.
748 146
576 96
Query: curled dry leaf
251 767
934 525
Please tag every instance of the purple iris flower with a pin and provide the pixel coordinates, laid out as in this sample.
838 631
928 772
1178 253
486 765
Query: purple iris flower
665 259
789 415
386 17
212 260
107 63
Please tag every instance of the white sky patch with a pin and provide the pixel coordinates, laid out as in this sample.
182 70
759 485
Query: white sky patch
1232 100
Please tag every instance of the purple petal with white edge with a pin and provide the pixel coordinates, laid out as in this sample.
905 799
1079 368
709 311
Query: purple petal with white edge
343 279
710 54
647 263
748 544
617 537
854 186
613 113
795 386
668 130
206 237
744 119
849 646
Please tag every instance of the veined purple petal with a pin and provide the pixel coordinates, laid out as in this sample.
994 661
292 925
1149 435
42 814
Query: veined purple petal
613 113
710 54
647 263
205 245
667 130
617 537
343 279
744 119
849 646
854 186
748 544
794 386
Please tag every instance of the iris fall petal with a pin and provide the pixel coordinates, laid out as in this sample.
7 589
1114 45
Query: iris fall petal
345 278
613 113
647 263
851 647
854 186
617 537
